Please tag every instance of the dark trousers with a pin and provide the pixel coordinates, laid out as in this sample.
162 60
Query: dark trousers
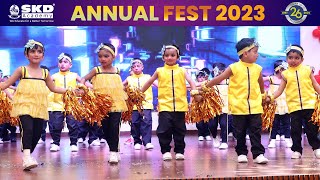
141 126
56 124
230 125
203 128
213 125
30 131
172 124
84 128
253 123
43 131
281 125
100 133
111 129
4 133
297 118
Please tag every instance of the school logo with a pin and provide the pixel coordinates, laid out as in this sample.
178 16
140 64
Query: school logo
14 12
296 12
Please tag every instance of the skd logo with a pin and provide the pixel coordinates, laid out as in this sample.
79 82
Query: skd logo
14 12
37 8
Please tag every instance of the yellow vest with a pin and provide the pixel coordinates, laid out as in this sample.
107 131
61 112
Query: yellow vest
64 80
172 90
139 81
300 93
244 91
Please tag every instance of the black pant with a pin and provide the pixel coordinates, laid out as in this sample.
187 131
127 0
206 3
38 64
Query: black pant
43 132
30 131
84 128
172 124
203 128
111 130
253 123
281 125
141 126
56 119
213 125
4 133
297 118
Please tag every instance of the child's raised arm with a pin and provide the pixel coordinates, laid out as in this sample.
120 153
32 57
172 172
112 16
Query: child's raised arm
92 73
190 81
226 74
150 81
52 87
281 88
261 83
12 79
88 84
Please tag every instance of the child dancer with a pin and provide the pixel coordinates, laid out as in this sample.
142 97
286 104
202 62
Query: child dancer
300 87
172 99
141 123
245 99
106 80
30 99
282 116
64 78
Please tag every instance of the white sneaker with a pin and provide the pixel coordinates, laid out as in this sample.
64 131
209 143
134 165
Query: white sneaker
272 143
207 138
113 157
29 163
51 142
179 156
102 140
282 137
230 134
137 146
288 142
74 148
40 141
200 138
54 148
1 142
149 146
261 159
95 143
242 159
317 153
296 155
216 142
223 146
80 140
247 137
167 156
277 137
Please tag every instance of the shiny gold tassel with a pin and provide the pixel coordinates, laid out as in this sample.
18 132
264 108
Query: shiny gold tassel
6 108
135 98
269 110
209 107
187 116
315 118
73 105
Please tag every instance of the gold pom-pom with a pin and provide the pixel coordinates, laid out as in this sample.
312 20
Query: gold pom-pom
135 98
209 107
269 110
315 118
73 106
6 107
187 115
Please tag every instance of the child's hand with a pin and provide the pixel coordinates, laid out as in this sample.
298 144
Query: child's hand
198 98
79 92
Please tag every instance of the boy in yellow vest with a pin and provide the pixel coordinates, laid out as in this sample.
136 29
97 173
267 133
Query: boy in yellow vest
172 99
245 99
64 78
141 123
300 88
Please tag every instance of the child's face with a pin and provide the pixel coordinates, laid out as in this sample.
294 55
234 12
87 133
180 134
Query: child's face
137 68
35 56
105 58
64 65
170 56
251 56
201 78
294 59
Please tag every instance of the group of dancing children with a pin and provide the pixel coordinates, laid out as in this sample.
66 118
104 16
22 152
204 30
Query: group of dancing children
241 86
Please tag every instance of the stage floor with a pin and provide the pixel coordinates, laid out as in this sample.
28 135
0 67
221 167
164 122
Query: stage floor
202 160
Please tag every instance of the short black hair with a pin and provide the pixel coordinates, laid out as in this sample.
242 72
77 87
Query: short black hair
244 42
110 46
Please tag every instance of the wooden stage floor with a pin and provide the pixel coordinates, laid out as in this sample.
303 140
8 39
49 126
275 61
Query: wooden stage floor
201 161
